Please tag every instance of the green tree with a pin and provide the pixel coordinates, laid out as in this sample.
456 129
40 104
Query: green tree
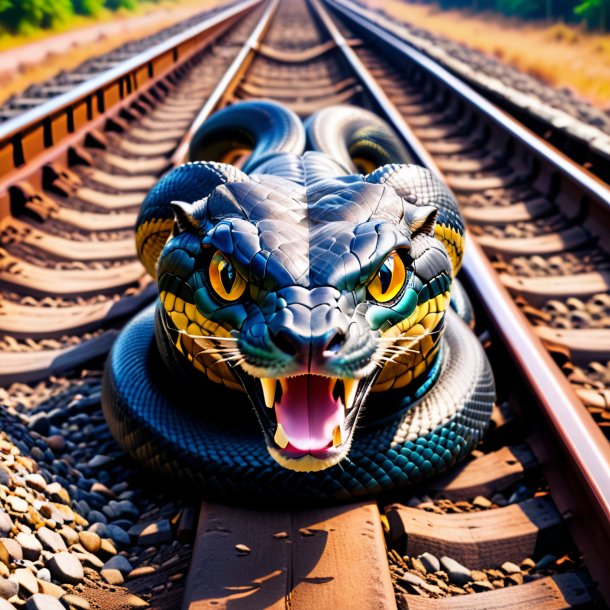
115 5
522 8
26 15
88 7
595 13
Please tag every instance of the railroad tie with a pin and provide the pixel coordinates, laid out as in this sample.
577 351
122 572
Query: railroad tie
485 475
303 560
478 539
551 593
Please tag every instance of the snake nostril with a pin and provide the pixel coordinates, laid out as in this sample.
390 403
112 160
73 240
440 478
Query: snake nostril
335 343
286 342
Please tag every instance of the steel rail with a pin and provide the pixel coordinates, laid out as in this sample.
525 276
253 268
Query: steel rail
235 70
35 131
386 32
587 449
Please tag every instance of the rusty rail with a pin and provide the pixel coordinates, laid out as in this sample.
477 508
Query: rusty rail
379 27
586 450
27 137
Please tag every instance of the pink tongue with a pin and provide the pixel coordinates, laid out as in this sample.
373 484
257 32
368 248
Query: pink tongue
308 412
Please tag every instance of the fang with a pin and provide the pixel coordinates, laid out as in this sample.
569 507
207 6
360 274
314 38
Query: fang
268 391
350 385
280 438
337 436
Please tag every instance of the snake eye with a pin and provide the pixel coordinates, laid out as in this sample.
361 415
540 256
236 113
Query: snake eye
389 279
225 279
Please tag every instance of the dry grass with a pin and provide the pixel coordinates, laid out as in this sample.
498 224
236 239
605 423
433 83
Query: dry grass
561 55
169 12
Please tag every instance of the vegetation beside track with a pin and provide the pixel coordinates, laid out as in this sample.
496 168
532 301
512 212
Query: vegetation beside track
26 21
593 14
561 55
28 16
95 41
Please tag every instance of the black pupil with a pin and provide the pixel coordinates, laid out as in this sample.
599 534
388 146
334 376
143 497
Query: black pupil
227 276
385 277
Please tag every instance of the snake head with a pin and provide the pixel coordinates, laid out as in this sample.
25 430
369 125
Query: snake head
308 298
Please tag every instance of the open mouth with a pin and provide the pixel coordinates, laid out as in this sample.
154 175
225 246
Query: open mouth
310 418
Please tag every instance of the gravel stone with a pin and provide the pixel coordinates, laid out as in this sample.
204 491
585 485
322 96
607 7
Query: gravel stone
141 571
123 524
58 493
30 546
100 488
107 547
510 568
411 580
19 505
90 560
6 605
39 423
40 601
13 547
98 461
124 509
36 481
56 442
65 567
26 580
546 561
90 541
133 601
527 564
6 523
482 502
95 516
112 576
482 585
156 533
8 588
50 588
417 565
430 562
478 575
99 528
515 579
75 602
118 562
118 535
63 496
499 499
458 574
5 557
5 475
51 540
69 535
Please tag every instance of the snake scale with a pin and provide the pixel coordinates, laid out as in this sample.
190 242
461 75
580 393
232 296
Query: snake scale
306 295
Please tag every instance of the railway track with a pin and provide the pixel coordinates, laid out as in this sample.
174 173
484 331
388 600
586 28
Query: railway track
66 80
546 234
573 125
535 494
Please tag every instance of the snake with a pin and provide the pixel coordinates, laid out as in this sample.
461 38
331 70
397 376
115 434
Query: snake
310 342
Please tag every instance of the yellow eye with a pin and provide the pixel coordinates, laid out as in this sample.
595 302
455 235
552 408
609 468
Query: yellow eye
225 279
389 279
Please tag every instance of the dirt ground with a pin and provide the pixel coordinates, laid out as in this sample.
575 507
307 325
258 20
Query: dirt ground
560 55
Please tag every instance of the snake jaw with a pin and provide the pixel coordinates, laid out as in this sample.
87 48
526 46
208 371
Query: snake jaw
314 418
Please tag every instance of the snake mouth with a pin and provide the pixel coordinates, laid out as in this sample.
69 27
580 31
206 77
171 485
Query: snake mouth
310 419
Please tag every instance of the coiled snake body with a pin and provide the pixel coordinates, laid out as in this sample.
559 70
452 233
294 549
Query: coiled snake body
322 293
